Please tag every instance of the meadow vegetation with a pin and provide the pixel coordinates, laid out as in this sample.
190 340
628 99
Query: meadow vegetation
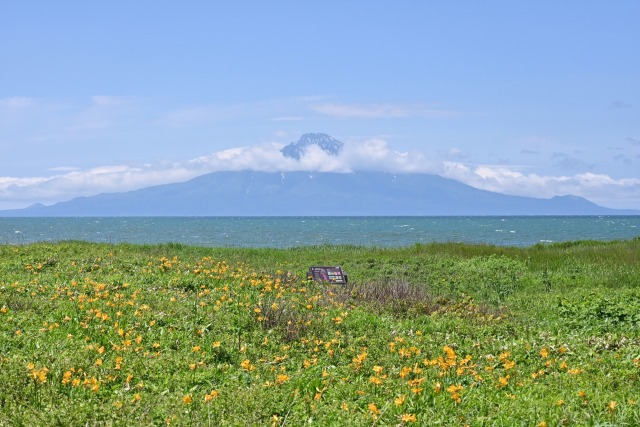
440 334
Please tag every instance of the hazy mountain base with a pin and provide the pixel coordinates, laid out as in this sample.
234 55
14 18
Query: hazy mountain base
447 334
252 193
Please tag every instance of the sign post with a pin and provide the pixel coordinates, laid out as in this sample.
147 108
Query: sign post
331 274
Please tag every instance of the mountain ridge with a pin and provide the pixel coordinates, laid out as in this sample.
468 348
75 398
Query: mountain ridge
252 193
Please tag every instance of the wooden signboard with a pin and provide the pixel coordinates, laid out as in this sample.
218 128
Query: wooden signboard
333 274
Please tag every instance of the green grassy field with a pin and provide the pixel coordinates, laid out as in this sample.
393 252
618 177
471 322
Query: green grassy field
439 334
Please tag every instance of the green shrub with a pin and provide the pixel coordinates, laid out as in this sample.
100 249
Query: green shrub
490 278
603 310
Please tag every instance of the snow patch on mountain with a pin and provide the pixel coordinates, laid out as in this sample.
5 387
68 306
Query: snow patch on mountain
296 150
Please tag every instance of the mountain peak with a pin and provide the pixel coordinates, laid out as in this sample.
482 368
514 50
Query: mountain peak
297 149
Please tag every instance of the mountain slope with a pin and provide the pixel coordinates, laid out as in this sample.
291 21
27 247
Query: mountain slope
250 193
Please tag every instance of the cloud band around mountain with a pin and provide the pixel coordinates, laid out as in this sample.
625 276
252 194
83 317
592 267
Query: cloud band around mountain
370 154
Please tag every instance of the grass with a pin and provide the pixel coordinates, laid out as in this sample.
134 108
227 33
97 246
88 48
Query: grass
440 334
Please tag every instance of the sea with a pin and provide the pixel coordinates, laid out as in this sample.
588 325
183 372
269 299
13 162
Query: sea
287 232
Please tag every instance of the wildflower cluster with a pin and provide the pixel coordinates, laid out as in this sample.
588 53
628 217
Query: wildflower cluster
175 338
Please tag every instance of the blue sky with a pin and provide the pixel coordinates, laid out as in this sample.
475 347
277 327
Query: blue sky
530 98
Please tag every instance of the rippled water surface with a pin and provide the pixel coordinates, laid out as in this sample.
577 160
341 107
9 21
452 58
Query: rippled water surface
284 232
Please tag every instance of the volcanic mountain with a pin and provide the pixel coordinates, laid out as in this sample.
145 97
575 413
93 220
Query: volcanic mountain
362 193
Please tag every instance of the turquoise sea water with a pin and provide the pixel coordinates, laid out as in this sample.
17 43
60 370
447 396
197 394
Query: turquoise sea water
283 232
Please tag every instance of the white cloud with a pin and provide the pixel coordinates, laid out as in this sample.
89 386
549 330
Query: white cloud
64 169
22 192
598 188
192 116
378 111
375 154
15 103
108 101
454 154
370 154
38 124
288 119
14 113
296 109
285 110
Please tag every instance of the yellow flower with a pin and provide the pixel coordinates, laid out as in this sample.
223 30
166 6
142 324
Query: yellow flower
503 381
66 377
375 380
408 418
246 365
612 406
449 351
406 370
282 378
209 397
373 409
454 388
38 374
359 359
453 391
544 353
187 399
319 392
509 364
399 401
